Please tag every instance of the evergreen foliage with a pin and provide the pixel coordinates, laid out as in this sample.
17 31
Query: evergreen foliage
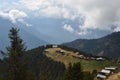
74 72
44 67
16 51
14 65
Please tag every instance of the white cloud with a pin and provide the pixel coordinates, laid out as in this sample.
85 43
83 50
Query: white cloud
51 11
32 5
48 8
68 28
13 15
97 14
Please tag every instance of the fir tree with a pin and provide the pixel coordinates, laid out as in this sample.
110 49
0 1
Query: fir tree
16 51
68 73
77 72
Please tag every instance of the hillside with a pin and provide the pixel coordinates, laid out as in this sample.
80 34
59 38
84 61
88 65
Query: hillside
108 46
114 77
71 57
45 62
43 67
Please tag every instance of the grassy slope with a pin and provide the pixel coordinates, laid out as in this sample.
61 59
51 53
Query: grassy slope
114 77
87 65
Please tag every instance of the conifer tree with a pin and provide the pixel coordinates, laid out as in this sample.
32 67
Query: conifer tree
77 72
68 72
73 72
16 63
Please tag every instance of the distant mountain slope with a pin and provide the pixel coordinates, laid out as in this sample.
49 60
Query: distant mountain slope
30 39
108 46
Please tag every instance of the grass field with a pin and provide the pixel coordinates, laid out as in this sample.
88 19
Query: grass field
87 65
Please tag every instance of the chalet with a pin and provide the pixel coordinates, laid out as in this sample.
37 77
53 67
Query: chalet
46 51
81 56
77 53
54 46
106 72
60 52
101 77
111 68
100 59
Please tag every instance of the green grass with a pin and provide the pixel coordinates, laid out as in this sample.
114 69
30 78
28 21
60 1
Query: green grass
89 65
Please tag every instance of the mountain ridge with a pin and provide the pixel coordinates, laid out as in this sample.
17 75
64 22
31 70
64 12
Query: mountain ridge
107 46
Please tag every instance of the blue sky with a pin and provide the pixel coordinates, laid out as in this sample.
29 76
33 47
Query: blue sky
64 20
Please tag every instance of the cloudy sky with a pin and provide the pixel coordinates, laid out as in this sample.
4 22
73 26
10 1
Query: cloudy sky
64 20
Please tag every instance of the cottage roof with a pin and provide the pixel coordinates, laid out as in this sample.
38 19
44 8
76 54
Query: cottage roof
101 76
54 46
110 68
100 58
105 71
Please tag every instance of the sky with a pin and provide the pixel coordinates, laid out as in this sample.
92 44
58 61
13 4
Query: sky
64 20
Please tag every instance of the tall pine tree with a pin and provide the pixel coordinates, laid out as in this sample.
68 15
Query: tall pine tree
16 63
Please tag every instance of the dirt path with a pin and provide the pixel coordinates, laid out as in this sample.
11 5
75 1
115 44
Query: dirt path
114 77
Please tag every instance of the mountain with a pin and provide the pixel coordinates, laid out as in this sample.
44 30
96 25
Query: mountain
26 33
108 46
